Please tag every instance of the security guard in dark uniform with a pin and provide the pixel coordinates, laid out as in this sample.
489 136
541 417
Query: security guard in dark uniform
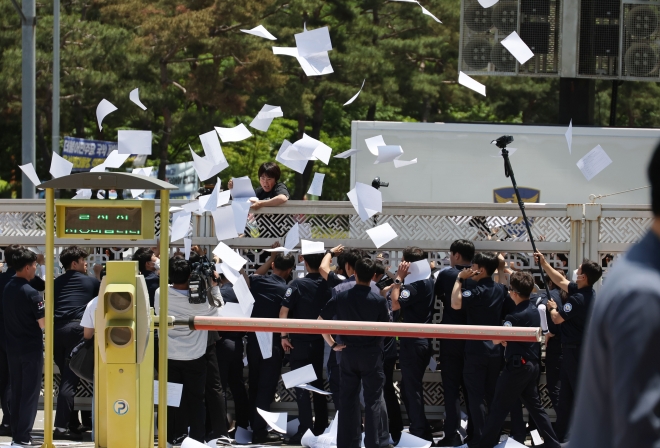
573 319
304 299
415 301
361 362
519 376
483 306
452 351
264 374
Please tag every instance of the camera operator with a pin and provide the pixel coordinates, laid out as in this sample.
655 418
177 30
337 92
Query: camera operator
24 321
73 291
186 352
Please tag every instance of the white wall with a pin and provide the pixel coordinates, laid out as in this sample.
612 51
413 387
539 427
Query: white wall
455 163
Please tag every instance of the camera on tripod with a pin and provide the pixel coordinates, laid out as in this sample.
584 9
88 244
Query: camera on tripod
503 141
202 282
377 183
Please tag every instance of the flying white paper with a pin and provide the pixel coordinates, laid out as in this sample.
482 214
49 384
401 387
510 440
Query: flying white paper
83 194
115 160
242 188
313 42
243 436
428 13
243 294
509 443
317 184
373 143
292 237
419 270
303 375
518 48
235 134
594 162
260 31
187 246
265 340
388 153
569 137
59 166
355 96
265 117
174 391
227 255
311 247
316 64
231 273
286 51
134 142
241 208
205 167
100 168
104 108
276 420
308 148
180 225
296 165
212 148
409 441
192 443
135 97
346 154
223 219
234 310
536 438
487 3
313 389
211 202
470 83
401 163
366 200
382 234
191 206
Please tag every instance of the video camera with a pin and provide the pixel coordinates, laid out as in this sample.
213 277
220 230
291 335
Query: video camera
201 283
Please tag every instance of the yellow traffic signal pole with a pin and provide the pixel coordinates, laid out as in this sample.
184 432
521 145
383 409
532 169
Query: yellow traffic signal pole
50 318
163 328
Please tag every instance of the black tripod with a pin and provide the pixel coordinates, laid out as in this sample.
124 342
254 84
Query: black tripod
502 143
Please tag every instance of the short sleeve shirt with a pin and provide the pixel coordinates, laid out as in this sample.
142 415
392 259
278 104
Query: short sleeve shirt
575 312
268 292
89 317
277 190
483 306
552 327
23 306
73 291
525 314
444 285
306 297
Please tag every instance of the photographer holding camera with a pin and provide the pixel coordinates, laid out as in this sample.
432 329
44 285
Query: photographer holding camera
187 363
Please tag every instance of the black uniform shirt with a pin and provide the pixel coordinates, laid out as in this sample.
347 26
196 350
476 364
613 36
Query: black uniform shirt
153 283
23 306
268 291
525 314
358 304
277 190
444 285
553 328
73 291
37 283
575 312
229 296
306 297
416 302
483 306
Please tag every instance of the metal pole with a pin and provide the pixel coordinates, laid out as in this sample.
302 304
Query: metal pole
50 316
28 94
162 330
55 141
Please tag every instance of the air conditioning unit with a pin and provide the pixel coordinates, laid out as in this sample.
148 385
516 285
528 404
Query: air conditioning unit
483 29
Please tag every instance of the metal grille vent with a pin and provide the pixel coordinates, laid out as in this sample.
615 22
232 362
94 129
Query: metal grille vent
482 30
641 43
599 38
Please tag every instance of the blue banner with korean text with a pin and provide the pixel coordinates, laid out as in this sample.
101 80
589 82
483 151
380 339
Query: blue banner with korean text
86 154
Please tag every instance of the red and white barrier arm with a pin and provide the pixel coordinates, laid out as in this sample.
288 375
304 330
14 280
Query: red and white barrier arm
472 332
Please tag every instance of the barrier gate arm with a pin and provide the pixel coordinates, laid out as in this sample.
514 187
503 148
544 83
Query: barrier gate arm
470 332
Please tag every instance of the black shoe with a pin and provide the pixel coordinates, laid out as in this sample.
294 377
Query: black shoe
28 443
265 437
82 428
5 431
396 437
58 434
453 440
295 439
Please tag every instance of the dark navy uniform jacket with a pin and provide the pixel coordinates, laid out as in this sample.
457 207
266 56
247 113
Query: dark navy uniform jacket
444 285
525 314
37 283
358 304
306 297
268 291
23 306
483 305
575 313
153 283
416 301
73 291
553 328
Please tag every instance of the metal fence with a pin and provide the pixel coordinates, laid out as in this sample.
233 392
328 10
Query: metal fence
567 233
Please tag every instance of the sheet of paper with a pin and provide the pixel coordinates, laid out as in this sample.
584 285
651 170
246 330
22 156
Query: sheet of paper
536 438
311 247
243 436
243 294
59 166
419 270
409 441
104 108
242 188
518 48
472 84
428 13
366 200
310 440
265 340
187 246
292 427
296 165
316 64
303 375
334 426
235 134
260 31
292 237
509 443
234 310
174 391
135 97
276 420
347 154
231 273
308 148
313 42
569 137
388 153
284 250
205 167
373 143
433 365
212 201
286 51
100 168
223 220
401 163
241 208
594 162
180 225
115 160
487 3
212 147
29 171
84 193
191 206
261 124
313 389
134 142
382 234
227 255
356 95
317 185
